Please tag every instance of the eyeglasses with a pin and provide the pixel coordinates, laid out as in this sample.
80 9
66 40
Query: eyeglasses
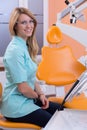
26 22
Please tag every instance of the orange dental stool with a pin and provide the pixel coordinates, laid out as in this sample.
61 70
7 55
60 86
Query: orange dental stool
59 66
7 125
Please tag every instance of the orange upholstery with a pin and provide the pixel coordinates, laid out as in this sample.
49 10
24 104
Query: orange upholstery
59 66
78 102
7 124
0 91
54 35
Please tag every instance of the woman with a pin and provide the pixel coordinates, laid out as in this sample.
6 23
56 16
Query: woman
23 100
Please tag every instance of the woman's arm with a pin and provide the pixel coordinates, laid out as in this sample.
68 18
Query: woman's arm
38 89
26 90
41 96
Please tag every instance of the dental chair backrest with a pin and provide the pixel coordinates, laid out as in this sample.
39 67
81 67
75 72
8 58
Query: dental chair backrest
59 65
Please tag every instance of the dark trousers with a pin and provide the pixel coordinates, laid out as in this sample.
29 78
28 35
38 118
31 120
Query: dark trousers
39 117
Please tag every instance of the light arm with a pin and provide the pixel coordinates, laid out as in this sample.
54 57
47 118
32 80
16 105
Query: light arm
71 7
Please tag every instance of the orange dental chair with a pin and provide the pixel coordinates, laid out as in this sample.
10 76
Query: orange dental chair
59 67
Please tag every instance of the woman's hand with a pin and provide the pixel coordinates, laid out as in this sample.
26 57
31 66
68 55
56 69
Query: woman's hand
44 101
42 97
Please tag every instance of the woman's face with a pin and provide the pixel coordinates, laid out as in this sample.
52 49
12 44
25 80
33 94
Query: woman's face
25 26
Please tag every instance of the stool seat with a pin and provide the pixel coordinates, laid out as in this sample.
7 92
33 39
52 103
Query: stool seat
11 125
7 124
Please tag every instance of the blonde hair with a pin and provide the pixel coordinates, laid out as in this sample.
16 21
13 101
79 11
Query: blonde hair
31 41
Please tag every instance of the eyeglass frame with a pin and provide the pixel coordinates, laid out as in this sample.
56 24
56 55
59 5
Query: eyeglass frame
32 22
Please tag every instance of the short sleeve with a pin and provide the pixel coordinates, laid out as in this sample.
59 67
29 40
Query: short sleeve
15 64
